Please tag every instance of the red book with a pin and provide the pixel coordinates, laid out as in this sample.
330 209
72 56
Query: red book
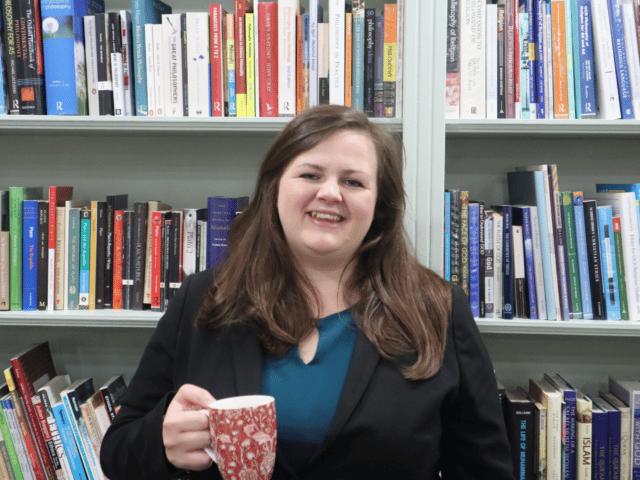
241 8
156 259
29 367
118 257
217 45
299 66
57 198
268 58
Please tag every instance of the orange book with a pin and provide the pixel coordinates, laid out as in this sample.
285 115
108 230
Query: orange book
558 42
118 252
348 46
299 66
390 58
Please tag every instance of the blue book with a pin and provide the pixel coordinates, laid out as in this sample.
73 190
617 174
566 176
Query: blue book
447 235
68 441
508 280
569 433
620 56
600 442
608 261
583 259
569 34
357 60
527 188
614 435
629 392
474 258
142 12
30 255
533 74
522 216
220 214
621 187
231 77
539 8
583 56
306 53
64 60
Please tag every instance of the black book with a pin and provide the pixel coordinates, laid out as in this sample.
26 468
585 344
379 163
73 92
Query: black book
482 259
43 253
127 271
103 47
139 232
10 58
101 250
28 47
115 65
502 102
112 392
519 417
166 245
593 258
114 202
174 271
369 58
456 267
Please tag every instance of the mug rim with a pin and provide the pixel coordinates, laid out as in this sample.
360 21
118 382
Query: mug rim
240 402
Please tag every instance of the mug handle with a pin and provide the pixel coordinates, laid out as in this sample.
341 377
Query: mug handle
209 451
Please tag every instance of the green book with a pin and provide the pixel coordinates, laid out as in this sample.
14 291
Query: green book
6 435
17 196
622 285
572 255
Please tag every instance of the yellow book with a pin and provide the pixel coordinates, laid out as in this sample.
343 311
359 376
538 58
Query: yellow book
251 70
389 58
92 262
348 42
231 66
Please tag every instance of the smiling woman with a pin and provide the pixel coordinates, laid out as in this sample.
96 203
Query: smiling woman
375 362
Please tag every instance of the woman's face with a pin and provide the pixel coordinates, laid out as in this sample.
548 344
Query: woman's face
327 197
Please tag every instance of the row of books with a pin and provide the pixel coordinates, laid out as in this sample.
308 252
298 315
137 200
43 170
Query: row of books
52 428
560 433
64 254
547 254
553 59
263 59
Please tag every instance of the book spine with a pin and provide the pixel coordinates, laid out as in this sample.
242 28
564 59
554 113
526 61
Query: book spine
501 94
231 65
127 262
60 267
510 53
456 270
6 470
16 198
357 60
30 255
24 461
519 276
572 255
378 74
4 271
600 446
198 64
174 271
569 419
593 251
159 72
474 258
464 240
498 300
156 259
268 46
583 262
172 65
100 250
491 42
216 48
489 264
43 254
571 89
622 287
150 66
560 99
31 84
390 58
537 264
189 242
85 260
75 420
532 55
68 440
250 64
12 66
611 296
118 248
348 58
115 61
633 61
369 59
141 14
583 439
126 40
620 57
138 254
585 53
91 64
561 251
539 65
55 444
241 8
105 83
529 264
525 104
305 62
507 270
608 95
287 12
73 261
446 266
453 60
14 462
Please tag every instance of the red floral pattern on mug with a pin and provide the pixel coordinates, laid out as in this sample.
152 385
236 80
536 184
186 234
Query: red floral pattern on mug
244 440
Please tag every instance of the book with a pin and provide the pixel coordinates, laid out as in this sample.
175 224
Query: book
542 391
114 202
583 262
172 65
519 415
61 251
98 243
489 264
72 291
105 76
173 263
116 62
118 252
10 57
231 65
242 7
464 240
357 56
69 442
138 254
13 432
17 195
474 258
609 265
30 255
498 264
508 280
520 303
28 42
629 392
390 60
220 214
569 436
85 259
625 432
572 254
614 424
286 35
622 286
250 61
584 66
600 447
43 254
491 42
594 259
57 198
152 206
560 81
631 45
522 217
453 60
198 66
620 57
126 28
217 47
91 64
143 12
112 392
64 58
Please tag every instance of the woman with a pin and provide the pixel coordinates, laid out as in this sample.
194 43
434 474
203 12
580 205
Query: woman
375 362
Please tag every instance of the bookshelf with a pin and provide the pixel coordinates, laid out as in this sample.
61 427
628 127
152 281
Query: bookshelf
182 161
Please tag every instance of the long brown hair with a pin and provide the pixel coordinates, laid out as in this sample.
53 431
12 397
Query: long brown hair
403 306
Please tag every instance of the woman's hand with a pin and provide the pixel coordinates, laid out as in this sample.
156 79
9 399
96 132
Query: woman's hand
185 429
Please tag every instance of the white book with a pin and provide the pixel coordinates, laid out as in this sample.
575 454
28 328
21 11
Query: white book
399 57
127 61
287 11
158 65
91 59
198 66
633 60
117 78
189 241
542 391
172 55
337 18
313 53
202 230
519 272
608 99
472 59
492 60
623 205
18 441
256 57
150 64
323 54
537 262
498 300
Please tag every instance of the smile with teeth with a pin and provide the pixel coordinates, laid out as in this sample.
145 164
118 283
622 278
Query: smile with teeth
326 216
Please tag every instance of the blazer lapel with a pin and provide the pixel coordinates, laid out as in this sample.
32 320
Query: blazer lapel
363 363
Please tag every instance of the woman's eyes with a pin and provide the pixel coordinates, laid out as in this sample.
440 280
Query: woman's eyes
353 183
349 181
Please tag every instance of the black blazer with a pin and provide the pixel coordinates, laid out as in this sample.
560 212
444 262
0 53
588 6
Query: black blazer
384 426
